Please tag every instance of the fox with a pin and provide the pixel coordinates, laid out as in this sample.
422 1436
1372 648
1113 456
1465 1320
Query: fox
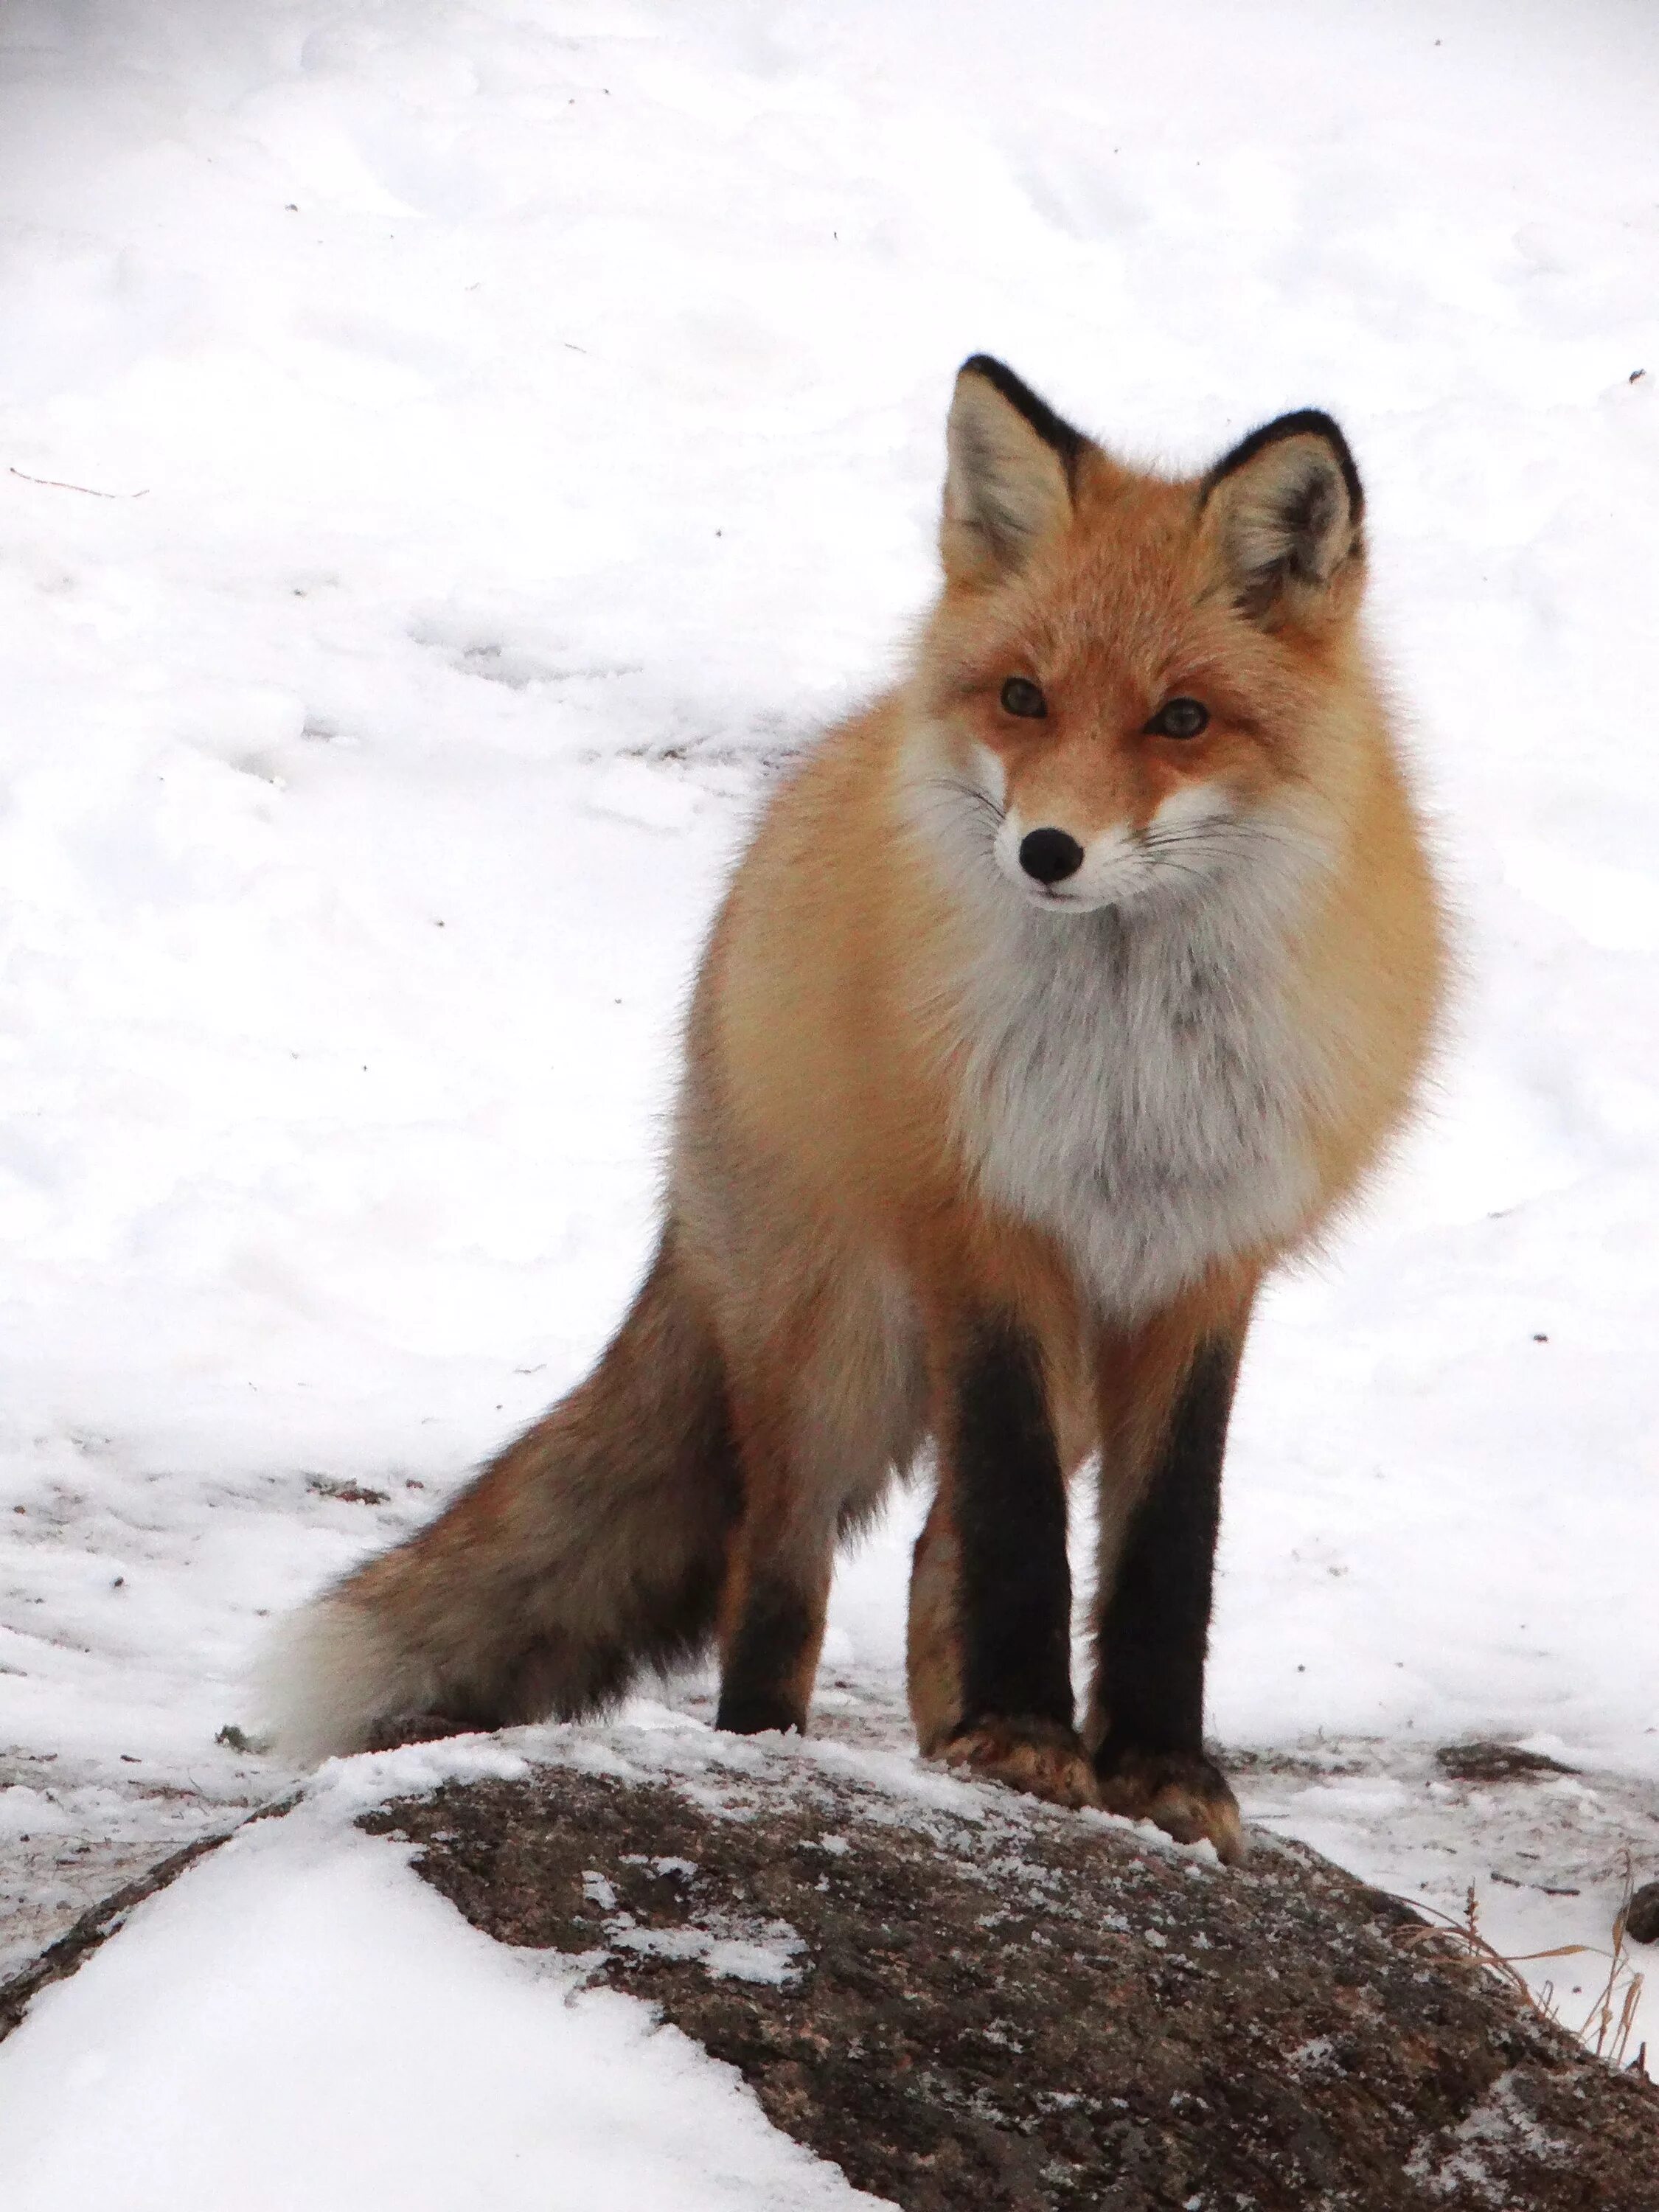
1060 997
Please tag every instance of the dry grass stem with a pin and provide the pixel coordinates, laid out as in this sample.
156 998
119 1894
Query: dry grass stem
1611 2021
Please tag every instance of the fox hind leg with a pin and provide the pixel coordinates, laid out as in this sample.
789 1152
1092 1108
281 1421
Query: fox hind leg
778 1569
825 1406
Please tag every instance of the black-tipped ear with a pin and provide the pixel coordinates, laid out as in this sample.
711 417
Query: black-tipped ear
1287 507
1010 465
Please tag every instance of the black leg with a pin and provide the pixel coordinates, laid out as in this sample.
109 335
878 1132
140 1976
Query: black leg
764 1681
1008 1501
777 1575
1154 1625
1155 1621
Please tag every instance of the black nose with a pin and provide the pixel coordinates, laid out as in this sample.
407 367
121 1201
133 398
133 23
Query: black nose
1049 855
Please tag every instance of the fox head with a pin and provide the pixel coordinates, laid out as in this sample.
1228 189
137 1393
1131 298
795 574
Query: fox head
1133 685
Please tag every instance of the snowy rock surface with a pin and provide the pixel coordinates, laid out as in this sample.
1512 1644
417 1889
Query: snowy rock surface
706 1972
964 1999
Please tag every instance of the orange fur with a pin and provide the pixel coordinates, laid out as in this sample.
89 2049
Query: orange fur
839 1206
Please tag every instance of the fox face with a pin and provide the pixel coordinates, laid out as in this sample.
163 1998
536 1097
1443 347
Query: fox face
1132 685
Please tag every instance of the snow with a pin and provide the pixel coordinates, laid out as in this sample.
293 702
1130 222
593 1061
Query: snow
506 429
302 2019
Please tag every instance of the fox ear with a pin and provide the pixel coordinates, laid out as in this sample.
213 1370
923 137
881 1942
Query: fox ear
1286 505
1010 462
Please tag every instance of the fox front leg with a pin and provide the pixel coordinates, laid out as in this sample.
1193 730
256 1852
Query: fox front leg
989 1657
1167 1396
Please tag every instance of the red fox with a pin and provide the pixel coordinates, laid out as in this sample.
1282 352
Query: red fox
1059 997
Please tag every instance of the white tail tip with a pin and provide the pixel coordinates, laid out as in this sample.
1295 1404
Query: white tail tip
328 1674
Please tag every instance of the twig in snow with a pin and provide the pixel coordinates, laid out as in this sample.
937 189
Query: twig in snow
53 483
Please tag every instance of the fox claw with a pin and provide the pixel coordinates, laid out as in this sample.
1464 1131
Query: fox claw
1183 1792
1038 1757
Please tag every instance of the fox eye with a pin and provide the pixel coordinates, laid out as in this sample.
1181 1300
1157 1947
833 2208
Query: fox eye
1181 718
1021 696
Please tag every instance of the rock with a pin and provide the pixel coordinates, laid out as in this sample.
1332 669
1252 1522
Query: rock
1642 1920
345 1493
1495 1762
965 1999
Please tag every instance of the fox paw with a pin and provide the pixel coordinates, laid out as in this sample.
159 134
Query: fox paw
394 1730
1039 1757
1181 1792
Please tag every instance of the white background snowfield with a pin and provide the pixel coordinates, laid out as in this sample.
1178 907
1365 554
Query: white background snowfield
449 454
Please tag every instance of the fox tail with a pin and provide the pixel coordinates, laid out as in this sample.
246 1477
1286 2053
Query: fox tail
592 1548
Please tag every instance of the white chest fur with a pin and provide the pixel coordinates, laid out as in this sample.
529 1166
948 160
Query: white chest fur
1133 1084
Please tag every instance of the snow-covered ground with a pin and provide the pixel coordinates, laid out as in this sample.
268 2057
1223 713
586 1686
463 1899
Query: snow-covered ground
446 451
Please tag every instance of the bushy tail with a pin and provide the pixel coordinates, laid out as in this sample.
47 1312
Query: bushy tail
593 1547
